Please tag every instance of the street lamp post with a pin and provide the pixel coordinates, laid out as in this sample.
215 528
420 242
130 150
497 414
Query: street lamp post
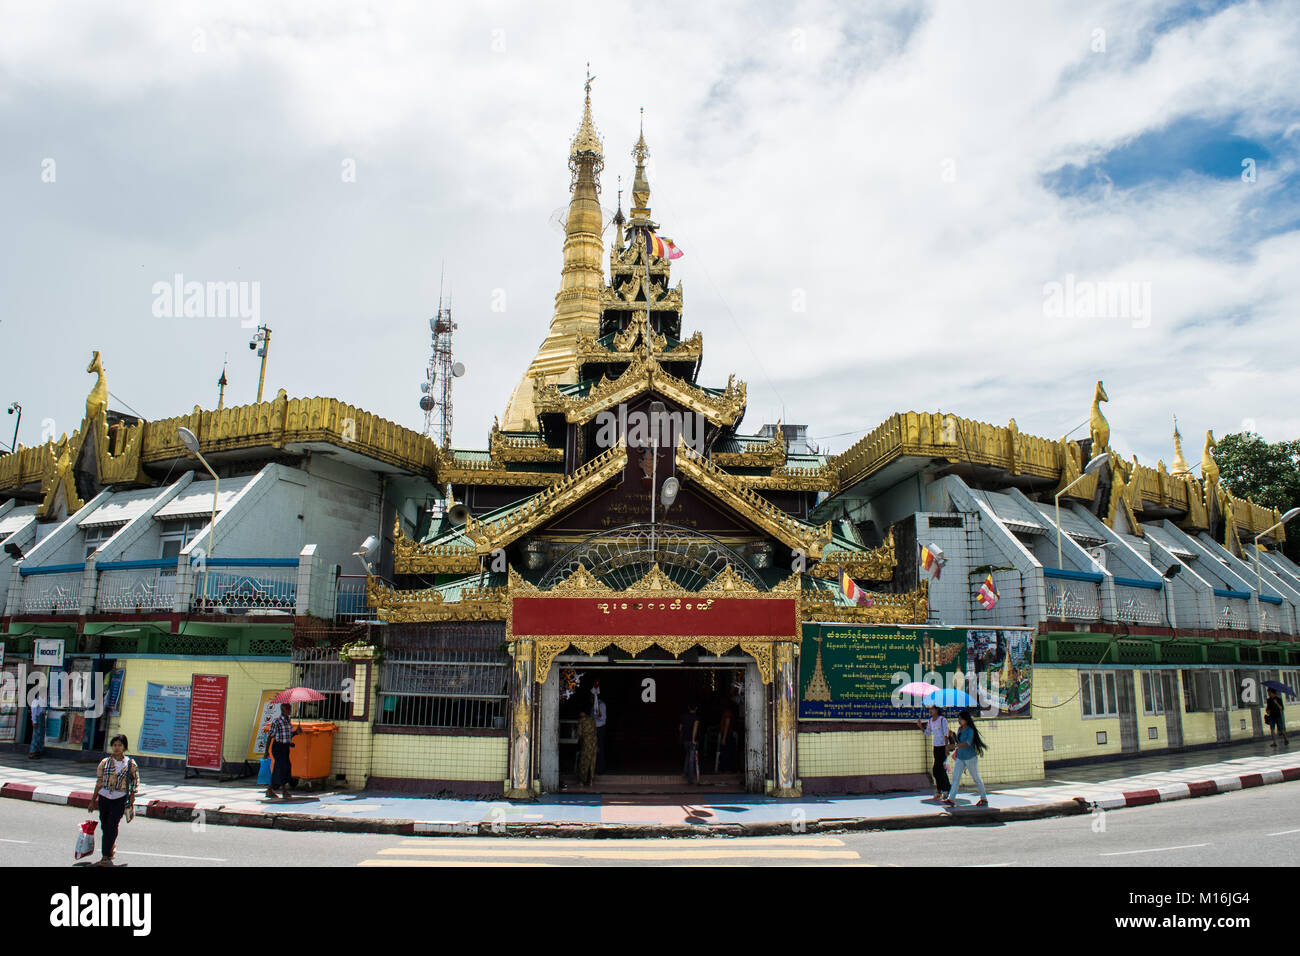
1091 467
191 442
1259 578
19 409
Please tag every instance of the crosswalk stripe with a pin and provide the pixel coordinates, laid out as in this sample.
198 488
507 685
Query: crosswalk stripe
685 853
447 863
691 843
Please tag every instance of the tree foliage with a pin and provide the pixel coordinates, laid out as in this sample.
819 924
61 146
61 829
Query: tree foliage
1266 473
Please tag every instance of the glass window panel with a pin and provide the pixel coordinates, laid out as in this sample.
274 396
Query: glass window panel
1085 693
1112 701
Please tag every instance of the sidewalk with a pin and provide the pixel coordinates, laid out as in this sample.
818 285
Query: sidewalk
165 794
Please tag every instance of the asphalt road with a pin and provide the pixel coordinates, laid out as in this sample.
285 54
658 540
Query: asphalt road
1258 827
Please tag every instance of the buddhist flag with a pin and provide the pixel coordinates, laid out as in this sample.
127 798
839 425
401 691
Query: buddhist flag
852 591
987 594
663 248
932 560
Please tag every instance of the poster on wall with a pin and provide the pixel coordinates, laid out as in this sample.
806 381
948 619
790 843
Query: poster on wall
1001 665
9 703
166 725
266 712
207 731
852 671
113 694
47 652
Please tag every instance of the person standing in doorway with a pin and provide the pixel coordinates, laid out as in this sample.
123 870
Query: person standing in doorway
936 729
280 740
968 749
689 730
1275 717
37 714
586 748
598 714
116 783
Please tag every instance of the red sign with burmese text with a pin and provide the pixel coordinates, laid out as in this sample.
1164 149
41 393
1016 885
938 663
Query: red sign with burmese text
690 615
207 721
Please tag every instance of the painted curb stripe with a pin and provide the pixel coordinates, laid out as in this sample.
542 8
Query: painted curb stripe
19 791
1252 780
1138 798
1203 788
49 796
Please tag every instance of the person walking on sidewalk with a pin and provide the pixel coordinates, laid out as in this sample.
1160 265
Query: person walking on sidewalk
1275 717
281 739
116 783
37 714
936 729
969 748
689 729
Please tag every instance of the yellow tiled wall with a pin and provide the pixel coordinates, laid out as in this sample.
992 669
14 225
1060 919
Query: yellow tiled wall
353 746
1060 714
1015 752
424 756
243 693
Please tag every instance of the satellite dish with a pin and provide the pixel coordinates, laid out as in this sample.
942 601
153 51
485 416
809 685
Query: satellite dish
458 514
426 403
457 369
433 324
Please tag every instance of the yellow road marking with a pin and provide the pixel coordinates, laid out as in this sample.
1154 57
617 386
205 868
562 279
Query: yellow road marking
688 843
686 853
446 863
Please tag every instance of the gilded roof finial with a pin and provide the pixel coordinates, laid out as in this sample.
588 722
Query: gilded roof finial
587 140
640 185
1180 463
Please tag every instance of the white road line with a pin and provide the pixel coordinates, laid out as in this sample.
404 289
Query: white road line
172 856
29 841
968 866
1279 833
1159 849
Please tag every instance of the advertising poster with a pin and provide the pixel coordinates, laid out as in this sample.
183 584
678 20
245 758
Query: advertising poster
851 671
207 721
266 712
113 693
166 725
1001 670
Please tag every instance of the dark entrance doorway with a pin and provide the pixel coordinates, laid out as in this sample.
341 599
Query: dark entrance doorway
644 705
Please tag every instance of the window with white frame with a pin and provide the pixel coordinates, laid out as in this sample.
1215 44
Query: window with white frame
1203 691
176 536
1097 694
1153 694
96 536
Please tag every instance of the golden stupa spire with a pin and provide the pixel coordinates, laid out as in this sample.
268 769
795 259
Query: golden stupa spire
577 304
641 185
1180 463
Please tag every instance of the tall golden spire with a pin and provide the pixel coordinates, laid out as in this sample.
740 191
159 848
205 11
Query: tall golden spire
1180 463
641 185
577 304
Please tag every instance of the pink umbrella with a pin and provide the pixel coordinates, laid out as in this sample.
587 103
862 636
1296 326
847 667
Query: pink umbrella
297 695
919 689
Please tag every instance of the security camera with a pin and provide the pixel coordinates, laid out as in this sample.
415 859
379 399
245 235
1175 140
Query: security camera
252 345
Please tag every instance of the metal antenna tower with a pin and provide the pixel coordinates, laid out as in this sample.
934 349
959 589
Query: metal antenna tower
436 387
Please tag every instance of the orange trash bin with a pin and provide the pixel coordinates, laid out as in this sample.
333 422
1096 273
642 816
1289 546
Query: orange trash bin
313 749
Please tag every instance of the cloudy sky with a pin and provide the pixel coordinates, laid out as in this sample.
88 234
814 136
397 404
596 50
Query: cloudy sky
883 205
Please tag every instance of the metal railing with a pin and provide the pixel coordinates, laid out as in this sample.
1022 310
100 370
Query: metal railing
1140 603
1231 611
350 599
1072 596
462 681
246 585
321 669
137 586
54 589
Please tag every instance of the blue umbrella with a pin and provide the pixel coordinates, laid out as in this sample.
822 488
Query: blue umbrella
1280 687
949 698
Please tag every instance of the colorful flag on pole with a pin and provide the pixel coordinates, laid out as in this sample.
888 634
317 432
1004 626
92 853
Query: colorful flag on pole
987 594
663 248
932 560
852 591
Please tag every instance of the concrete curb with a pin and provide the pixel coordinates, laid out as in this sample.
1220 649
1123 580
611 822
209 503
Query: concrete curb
1199 788
217 815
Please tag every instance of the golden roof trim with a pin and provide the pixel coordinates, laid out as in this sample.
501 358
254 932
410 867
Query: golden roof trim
875 565
643 374
503 448
751 505
910 607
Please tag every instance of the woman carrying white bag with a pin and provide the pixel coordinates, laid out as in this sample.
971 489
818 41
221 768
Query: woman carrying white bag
116 783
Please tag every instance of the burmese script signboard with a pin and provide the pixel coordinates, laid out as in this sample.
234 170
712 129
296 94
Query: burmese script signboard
690 615
850 671
854 672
